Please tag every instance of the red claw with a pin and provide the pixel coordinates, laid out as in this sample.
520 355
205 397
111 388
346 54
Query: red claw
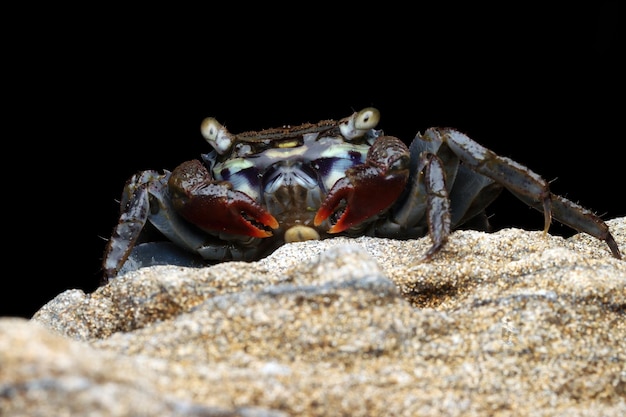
214 206
231 212
367 191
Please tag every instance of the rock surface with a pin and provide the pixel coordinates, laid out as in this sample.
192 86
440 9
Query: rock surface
512 322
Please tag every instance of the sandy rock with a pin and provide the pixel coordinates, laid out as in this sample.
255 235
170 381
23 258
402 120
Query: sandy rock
514 322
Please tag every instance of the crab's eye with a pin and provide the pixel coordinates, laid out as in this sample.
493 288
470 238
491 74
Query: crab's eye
216 134
367 118
359 123
210 128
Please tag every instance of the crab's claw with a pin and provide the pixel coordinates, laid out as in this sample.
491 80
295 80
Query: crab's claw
213 206
367 190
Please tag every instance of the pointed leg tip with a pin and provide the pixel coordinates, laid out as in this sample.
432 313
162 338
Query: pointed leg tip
434 250
610 241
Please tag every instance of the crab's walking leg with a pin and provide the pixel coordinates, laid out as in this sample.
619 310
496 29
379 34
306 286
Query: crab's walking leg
578 218
517 178
133 216
528 187
370 188
438 208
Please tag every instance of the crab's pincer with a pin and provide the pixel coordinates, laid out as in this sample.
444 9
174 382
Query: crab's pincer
368 189
213 206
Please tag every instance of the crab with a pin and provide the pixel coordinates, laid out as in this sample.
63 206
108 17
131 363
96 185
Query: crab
256 191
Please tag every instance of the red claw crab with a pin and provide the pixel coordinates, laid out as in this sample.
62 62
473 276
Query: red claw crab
256 191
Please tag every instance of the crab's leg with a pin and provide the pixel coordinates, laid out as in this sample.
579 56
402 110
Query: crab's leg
370 188
213 206
438 207
135 209
528 187
578 218
516 177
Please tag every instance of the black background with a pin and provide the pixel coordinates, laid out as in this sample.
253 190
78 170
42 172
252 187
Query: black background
94 99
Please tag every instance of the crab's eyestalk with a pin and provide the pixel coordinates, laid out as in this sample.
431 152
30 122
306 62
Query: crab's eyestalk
217 135
359 123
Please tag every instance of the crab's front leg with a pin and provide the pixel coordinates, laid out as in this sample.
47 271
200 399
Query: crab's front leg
368 189
214 206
